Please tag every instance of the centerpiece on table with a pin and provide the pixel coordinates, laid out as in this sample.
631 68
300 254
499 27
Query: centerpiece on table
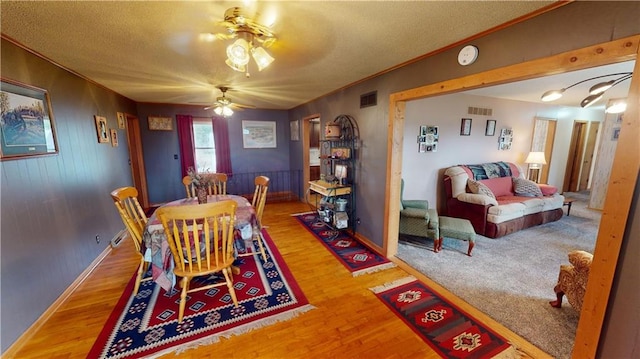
201 183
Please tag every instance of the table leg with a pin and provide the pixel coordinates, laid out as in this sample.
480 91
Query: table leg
569 208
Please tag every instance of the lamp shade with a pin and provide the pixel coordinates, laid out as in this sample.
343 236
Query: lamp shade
262 58
616 106
536 158
238 52
552 95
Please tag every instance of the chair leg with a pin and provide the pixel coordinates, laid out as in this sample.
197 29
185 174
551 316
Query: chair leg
229 279
264 254
141 270
471 245
183 297
558 302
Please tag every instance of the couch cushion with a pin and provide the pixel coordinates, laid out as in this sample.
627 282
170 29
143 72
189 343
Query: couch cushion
500 186
547 189
479 188
524 187
458 177
506 212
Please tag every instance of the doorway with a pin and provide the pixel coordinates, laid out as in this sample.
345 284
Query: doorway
310 153
136 160
580 158
544 133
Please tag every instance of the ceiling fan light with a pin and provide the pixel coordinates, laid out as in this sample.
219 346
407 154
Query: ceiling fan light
238 52
262 58
590 100
239 68
552 95
227 111
616 106
601 87
218 110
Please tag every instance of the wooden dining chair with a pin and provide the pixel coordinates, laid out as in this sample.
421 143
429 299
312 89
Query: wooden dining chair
126 201
201 242
218 184
188 186
260 196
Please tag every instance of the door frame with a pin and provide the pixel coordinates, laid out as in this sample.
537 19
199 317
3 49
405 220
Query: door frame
624 173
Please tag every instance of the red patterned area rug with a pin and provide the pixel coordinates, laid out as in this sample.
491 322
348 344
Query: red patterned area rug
447 329
355 256
146 324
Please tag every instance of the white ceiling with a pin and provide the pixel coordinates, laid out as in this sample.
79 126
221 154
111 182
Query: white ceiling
532 90
150 51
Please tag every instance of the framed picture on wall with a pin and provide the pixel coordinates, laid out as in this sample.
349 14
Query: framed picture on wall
114 137
259 134
465 127
160 123
101 129
294 127
27 126
121 120
490 130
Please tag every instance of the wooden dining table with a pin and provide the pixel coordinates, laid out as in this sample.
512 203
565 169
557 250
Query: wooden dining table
156 247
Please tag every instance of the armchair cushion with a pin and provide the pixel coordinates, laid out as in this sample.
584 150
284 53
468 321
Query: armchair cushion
415 203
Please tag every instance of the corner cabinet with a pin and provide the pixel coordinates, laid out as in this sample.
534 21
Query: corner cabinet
336 186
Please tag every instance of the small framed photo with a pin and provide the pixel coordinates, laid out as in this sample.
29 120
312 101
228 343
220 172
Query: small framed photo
490 130
616 133
160 123
294 127
121 120
114 137
465 127
423 130
101 129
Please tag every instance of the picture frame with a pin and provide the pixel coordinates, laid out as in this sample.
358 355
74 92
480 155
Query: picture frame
114 137
465 127
294 128
341 152
490 129
259 134
158 123
615 134
340 172
27 128
121 120
101 129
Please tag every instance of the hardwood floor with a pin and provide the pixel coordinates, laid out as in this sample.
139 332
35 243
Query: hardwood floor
348 322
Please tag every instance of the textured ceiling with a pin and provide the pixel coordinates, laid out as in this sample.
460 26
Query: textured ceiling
151 51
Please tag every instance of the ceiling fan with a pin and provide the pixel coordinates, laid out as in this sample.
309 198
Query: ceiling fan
223 105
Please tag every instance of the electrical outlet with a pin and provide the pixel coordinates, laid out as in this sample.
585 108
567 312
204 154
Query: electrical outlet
358 220
97 239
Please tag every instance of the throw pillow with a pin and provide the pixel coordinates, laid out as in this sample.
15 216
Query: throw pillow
526 188
479 188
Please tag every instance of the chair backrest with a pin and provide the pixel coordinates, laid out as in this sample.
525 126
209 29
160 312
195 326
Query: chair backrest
200 236
188 186
218 184
260 195
134 218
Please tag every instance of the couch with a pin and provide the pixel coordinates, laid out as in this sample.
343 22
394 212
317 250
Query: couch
572 279
497 199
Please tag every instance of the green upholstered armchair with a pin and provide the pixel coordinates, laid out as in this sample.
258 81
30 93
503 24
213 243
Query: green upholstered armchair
417 219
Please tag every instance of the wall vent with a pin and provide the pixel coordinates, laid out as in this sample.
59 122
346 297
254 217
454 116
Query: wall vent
115 241
369 99
480 111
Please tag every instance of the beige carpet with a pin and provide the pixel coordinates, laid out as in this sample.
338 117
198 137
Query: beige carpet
512 278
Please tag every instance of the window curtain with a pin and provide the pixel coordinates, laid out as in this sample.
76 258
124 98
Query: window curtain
221 138
185 137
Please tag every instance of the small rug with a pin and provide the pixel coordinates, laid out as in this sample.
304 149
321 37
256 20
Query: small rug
147 324
355 256
447 329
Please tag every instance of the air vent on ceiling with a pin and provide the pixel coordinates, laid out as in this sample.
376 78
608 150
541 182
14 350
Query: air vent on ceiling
480 111
369 99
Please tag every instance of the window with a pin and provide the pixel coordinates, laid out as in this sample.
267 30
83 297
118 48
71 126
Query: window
204 148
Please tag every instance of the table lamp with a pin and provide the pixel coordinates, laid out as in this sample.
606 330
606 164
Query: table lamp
535 161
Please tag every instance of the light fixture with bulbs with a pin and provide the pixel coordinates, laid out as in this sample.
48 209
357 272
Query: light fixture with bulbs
250 40
596 92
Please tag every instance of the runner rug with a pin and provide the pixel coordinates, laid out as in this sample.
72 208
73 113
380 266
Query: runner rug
146 324
447 329
355 256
